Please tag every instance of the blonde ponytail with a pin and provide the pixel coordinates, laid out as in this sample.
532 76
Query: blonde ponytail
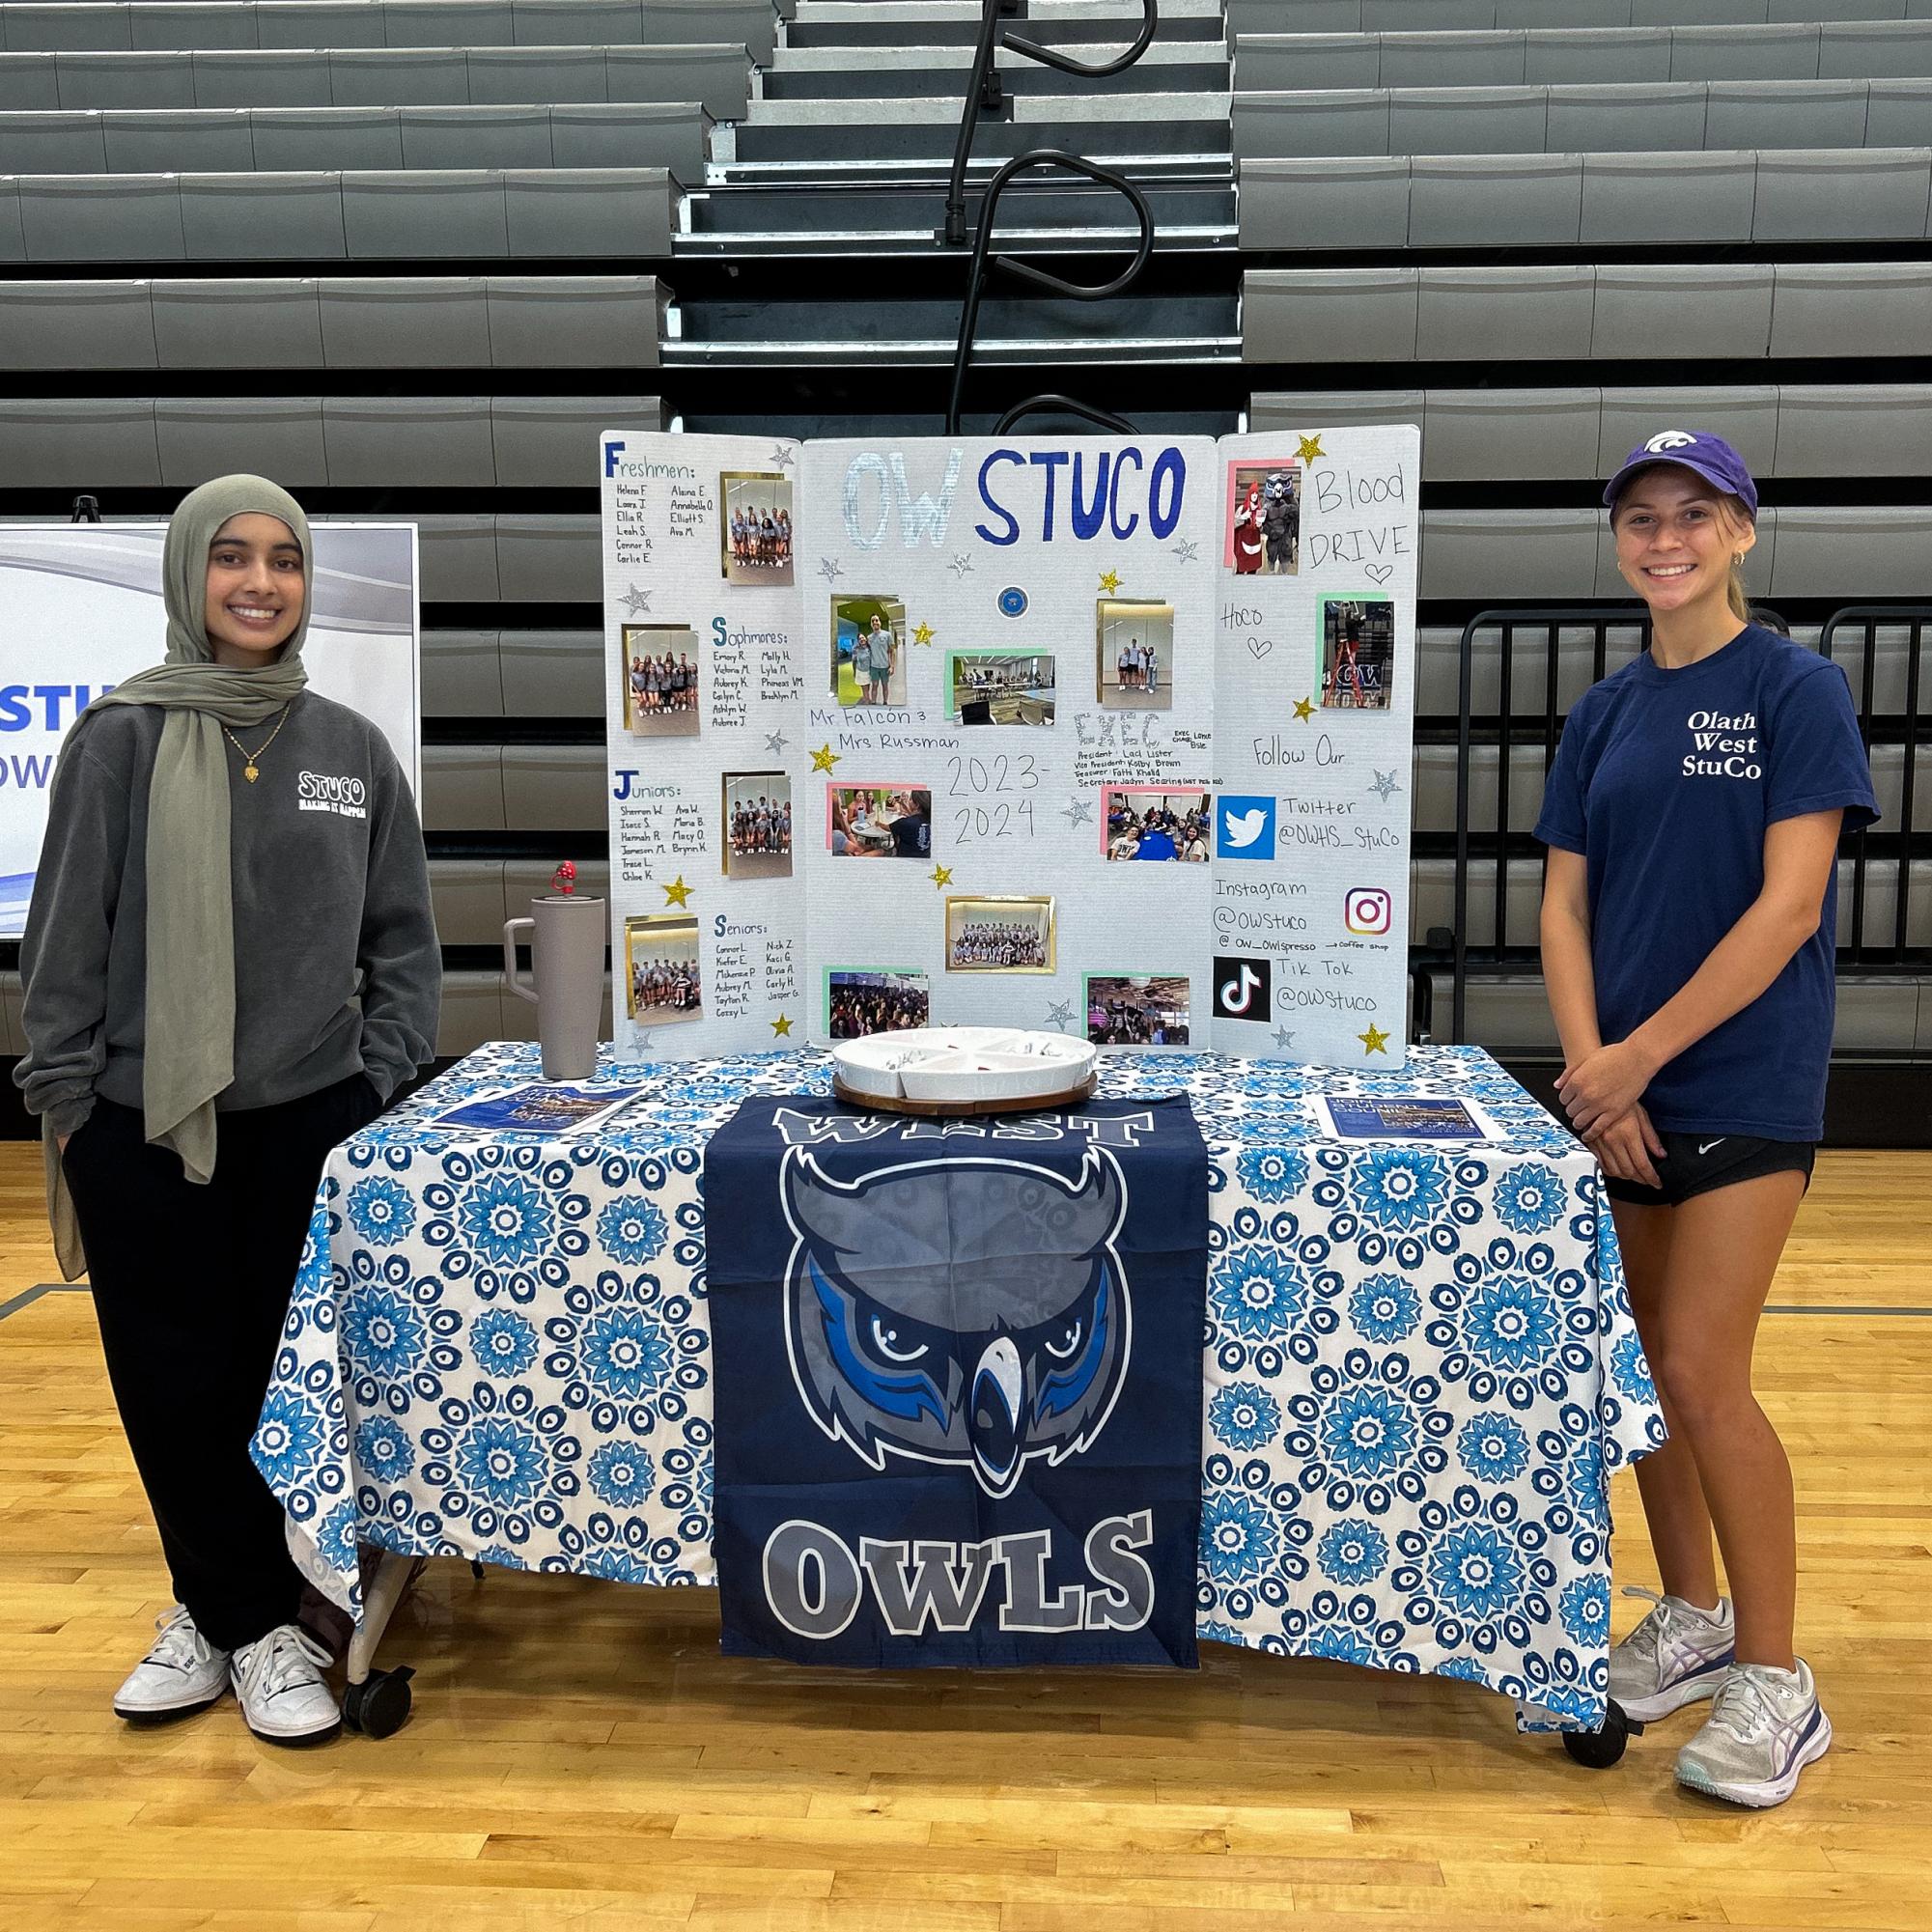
1739 521
1734 589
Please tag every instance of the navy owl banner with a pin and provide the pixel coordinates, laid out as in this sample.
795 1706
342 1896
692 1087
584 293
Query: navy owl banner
957 1383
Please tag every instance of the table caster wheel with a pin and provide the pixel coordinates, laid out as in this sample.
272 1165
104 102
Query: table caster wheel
380 1706
1599 1750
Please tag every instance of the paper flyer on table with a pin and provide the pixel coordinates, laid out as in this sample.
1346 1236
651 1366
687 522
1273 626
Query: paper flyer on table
1107 736
539 1109
1406 1117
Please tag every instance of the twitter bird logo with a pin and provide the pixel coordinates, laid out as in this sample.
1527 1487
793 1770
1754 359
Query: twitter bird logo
1245 829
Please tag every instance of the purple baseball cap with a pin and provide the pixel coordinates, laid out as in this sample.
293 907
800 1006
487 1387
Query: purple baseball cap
1710 455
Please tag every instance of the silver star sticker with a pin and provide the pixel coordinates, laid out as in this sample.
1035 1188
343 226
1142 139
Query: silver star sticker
962 564
1385 785
781 456
636 601
1284 1038
1187 549
774 742
1078 812
1061 1015
643 1038
829 569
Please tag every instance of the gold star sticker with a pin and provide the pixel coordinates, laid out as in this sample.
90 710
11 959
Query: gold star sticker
1375 1040
942 875
678 894
1311 448
922 633
1305 708
824 757
1110 582
782 1026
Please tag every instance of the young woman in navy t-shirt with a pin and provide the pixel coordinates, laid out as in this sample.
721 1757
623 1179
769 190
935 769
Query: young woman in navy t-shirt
1692 819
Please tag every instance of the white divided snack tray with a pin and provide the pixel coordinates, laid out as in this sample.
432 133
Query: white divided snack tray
963 1063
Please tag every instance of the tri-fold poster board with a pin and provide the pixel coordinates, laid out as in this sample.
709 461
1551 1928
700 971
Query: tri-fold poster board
1103 735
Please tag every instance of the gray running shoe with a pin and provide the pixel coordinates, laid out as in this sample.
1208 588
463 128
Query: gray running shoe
1767 1726
1676 1656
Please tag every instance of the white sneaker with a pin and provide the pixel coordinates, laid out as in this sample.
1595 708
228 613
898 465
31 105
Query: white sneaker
1768 1725
182 1674
278 1679
1676 1656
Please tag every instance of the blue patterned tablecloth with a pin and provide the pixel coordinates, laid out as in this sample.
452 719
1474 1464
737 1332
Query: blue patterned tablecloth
1420 1363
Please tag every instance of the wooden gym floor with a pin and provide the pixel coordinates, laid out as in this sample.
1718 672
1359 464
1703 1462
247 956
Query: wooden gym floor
581 1755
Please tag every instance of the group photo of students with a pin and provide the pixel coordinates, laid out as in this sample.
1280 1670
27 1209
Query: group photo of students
664 986
758 825
661 670
861 1004
757 529
880 821
1134 649
1136 1011
993 944
1141 826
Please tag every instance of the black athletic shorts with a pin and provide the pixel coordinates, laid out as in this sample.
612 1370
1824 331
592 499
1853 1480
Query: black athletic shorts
1695 1163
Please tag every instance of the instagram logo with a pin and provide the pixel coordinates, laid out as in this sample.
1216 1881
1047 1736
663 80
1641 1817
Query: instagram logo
1367 909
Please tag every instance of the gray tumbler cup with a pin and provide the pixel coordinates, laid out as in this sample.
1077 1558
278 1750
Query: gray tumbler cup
567 940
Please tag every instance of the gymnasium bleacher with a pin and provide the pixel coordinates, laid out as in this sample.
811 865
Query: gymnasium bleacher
404 255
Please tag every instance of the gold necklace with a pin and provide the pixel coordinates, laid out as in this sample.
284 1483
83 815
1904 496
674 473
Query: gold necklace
251 771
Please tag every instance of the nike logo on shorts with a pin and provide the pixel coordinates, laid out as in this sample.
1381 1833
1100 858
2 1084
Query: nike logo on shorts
1705 1146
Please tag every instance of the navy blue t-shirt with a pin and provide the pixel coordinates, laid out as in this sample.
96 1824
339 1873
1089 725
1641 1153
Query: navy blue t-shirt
1665 782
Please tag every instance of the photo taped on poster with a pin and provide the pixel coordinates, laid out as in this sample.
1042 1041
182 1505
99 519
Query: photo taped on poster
999 687
1262 517
1358 651
754 537
1138 1010
859 1003
662 981
1134 654
1003 934
661 680
868 651
879 821
1156 822
757 824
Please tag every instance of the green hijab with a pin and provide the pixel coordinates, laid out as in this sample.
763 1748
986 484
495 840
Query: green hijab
189 1048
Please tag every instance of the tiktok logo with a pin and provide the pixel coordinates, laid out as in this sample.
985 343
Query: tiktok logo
1243 988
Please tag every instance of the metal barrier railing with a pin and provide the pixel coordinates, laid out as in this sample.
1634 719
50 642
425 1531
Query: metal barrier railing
1888 728
983 92
1504 850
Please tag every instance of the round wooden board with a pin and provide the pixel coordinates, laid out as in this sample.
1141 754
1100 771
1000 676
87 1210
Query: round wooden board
964 1109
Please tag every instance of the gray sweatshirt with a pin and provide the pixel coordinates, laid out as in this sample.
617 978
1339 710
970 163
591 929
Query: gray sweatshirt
337 969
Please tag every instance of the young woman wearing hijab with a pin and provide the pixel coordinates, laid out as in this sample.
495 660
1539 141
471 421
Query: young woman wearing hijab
1689 919
219 986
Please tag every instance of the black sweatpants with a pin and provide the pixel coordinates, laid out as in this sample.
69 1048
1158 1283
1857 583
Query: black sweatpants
191 1287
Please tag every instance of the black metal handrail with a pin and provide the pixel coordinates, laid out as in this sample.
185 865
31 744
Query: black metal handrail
982 91
984 263
1868 619
1091 70
1052 403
